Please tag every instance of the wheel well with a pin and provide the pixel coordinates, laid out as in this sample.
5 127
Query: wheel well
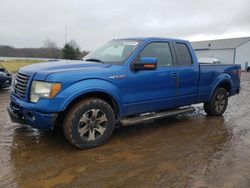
226 85
101 95
104 96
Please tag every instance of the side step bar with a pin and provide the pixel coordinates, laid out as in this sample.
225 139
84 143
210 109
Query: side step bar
154 116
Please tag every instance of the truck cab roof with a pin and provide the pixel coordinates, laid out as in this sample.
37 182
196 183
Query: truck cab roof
152 39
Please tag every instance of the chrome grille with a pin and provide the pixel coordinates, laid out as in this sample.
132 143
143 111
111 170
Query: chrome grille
20 84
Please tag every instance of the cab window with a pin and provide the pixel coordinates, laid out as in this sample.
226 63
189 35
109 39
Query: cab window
183 55
161 51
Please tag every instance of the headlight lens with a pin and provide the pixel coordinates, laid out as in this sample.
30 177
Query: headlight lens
41 89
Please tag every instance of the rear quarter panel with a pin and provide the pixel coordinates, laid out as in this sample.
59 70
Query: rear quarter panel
211 75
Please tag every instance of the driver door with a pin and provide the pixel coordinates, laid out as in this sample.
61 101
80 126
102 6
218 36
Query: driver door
151 90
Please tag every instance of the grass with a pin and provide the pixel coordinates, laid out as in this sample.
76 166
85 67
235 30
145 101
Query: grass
14 65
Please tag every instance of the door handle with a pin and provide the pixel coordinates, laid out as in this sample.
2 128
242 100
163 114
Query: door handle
174 74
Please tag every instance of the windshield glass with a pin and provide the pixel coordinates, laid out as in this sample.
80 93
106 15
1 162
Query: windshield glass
113 52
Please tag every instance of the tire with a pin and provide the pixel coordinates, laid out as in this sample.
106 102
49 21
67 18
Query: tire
218 104
248 69
89 123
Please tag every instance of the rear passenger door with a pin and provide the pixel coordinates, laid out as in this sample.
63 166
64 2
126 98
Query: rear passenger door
188 74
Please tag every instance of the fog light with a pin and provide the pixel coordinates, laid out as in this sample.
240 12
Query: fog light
31 116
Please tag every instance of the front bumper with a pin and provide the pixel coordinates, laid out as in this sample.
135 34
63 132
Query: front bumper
36 119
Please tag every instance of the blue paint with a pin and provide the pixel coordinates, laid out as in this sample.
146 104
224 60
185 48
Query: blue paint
134 92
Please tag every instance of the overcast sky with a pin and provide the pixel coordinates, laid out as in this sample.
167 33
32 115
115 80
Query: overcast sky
27 23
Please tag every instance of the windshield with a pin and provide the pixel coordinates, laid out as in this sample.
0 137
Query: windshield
113 52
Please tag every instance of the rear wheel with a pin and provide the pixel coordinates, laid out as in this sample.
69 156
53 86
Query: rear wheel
218 104
89 123
248 69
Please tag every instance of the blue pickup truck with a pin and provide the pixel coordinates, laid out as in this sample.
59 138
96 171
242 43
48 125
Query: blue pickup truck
125 81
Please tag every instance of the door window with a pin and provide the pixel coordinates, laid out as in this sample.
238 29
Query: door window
161 51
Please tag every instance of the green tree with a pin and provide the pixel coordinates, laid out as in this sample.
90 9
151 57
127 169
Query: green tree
71 50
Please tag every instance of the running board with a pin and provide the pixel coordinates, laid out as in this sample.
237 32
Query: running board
154 116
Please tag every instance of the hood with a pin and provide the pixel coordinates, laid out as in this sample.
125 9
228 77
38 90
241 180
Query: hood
44 69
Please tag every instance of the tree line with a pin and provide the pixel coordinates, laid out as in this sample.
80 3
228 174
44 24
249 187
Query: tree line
71 50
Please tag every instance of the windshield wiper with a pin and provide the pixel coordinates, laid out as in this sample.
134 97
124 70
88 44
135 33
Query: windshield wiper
94 59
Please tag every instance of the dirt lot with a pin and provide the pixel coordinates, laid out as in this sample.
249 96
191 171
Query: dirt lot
187 151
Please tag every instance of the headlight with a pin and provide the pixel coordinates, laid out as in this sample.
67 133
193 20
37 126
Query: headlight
41 89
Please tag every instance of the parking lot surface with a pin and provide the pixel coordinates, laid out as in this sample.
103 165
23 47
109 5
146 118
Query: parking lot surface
186 151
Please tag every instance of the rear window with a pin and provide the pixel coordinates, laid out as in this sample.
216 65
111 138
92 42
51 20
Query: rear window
183 54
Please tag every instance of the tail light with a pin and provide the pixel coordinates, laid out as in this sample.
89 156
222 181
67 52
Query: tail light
238 72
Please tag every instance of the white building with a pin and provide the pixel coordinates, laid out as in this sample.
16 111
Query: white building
228 51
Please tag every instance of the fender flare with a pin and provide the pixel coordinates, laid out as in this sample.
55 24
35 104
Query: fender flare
92 85
221 79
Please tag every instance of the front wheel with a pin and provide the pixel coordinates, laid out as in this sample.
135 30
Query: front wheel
218 104
89 123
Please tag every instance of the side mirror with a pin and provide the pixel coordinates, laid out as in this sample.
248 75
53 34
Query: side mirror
146 63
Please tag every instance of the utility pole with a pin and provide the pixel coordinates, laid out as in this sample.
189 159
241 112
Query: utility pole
65 34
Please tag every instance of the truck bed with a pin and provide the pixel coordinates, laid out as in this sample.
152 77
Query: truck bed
211 73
